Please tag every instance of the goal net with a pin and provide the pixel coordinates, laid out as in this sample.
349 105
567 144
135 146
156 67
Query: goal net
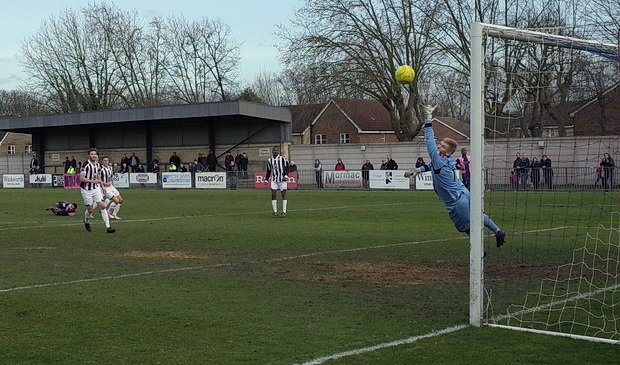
554 100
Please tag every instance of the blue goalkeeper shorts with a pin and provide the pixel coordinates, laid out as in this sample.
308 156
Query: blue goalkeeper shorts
459 213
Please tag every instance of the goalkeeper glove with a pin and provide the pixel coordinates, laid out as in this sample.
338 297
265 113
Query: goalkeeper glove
427 110
413 172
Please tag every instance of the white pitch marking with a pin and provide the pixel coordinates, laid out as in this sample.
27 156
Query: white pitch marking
289 258
54 224
380 346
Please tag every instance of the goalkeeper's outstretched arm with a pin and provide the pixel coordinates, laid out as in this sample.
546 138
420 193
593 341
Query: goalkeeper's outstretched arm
427 111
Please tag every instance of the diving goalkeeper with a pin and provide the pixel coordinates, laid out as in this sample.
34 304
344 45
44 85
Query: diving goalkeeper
449 189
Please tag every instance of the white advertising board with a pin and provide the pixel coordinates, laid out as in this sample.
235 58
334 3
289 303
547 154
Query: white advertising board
13 181
210 180
176 180
388 179
40 178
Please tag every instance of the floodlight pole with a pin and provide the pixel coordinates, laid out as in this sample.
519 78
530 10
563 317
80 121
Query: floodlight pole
476 242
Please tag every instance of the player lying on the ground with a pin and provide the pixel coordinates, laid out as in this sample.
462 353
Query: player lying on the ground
449 189
63 208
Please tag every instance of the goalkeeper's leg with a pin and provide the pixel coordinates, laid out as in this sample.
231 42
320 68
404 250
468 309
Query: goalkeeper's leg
500 236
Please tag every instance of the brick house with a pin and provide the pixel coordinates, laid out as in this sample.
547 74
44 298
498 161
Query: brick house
15 143
356 121
599 116
342 121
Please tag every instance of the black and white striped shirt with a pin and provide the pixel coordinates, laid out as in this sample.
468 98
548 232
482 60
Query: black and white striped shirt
107 174
91 172
277 168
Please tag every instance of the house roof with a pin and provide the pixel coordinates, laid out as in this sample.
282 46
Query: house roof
458 126
303 116
365 114
583 105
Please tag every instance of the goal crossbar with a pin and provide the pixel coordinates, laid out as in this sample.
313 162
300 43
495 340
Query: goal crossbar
607 50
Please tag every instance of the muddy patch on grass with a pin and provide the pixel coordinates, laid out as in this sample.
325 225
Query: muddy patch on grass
385 273
164 255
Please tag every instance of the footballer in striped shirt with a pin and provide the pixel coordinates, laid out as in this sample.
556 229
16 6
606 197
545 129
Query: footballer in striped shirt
90 184
277 169
110 192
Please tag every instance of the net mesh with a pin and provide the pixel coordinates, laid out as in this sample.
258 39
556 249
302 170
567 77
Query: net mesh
555 103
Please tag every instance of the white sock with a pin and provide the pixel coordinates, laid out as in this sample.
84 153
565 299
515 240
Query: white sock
86 216
106 219
106 202
284 203
118 207
274 205
111 208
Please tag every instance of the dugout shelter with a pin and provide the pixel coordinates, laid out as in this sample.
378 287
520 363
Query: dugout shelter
154 132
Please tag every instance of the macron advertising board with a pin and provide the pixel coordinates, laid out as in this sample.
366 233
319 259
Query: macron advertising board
210 180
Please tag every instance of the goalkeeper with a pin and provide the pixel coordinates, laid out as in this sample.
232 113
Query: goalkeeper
449 189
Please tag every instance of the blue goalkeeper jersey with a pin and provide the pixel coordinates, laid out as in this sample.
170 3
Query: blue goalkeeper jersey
448 188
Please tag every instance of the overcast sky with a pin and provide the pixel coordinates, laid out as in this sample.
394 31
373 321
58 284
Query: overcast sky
252 23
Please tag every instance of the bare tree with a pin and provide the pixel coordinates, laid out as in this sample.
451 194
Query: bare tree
19 103
201 60
102 57
135 56
65 61
357 45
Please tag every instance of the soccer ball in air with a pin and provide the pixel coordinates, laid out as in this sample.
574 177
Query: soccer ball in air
404 74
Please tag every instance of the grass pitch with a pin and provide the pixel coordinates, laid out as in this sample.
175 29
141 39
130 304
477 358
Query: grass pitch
209 277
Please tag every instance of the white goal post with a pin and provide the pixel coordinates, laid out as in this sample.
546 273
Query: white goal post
479 33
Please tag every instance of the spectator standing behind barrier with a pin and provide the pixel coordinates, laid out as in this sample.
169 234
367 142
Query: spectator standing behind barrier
515 165
198 167
536 166
420 162
391 164
172 168
134 162
238 157
383 165
545 165
608 165
243 165
125 160
318 173
293 167
66 164
463 164
228 160
74 163
34 164
514 182
233 174
212 161
599 176
339 165
176 160
366 167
